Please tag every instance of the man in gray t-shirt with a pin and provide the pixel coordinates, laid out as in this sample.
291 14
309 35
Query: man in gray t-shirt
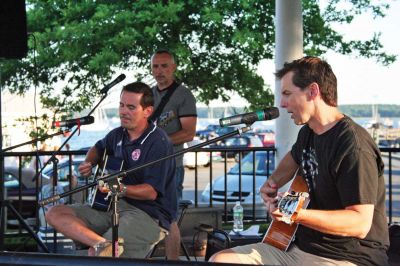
178 118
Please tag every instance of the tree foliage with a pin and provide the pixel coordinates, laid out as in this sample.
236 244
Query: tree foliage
79 45
365 110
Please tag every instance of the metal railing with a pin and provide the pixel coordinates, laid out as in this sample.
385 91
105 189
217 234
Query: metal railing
392 183
218 199
227 197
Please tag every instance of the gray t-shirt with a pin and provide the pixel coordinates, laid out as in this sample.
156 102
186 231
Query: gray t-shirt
181 104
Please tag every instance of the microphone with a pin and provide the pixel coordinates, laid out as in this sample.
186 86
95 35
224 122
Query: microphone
250 118
73 122
113 83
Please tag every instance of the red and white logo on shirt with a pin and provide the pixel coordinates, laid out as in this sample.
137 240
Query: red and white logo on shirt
135 155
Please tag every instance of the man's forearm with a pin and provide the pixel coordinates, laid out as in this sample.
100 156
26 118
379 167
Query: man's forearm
346 222
92 156
187 132
141 192
182 136
285 171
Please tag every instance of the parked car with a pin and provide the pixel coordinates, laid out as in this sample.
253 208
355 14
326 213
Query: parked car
28 183
27 206
239 142
63 177
224 130
264 165
386 143
189 158
396 143
208 132
267 137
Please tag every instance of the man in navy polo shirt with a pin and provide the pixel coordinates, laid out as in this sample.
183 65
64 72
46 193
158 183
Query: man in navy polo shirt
149 199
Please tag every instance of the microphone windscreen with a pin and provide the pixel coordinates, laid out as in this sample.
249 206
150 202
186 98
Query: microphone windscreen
271 113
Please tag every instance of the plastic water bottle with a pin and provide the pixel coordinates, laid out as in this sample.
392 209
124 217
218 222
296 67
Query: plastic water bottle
237 218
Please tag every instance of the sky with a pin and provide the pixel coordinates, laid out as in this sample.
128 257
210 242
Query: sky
362 81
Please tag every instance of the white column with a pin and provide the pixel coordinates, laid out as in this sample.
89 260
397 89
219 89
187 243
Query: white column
288 46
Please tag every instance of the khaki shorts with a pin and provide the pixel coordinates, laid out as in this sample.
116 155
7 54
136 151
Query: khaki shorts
263 254
139 231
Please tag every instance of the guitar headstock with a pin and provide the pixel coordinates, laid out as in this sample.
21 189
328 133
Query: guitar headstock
165 118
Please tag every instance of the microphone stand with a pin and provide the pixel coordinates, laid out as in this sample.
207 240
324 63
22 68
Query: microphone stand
124 173
7 203
104 92
54 159
115 191
70 136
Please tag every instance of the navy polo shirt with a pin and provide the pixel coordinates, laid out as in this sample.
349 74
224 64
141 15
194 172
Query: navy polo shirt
152 145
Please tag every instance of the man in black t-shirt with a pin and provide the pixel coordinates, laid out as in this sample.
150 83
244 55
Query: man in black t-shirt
345 221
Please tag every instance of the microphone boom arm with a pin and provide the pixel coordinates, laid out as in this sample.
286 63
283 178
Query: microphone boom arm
53 155
124 173
35 140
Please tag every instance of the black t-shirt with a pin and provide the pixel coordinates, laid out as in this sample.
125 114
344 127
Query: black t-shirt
343 167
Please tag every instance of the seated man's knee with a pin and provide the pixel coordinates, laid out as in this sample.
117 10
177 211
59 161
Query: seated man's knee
49 215
227 255
54 212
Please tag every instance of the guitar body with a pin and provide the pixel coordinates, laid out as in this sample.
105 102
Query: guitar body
100 200
281 234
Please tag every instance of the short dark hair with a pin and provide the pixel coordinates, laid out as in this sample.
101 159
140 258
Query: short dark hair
165 51
311 69
140 87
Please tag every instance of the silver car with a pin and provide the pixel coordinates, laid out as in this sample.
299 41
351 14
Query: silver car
189 158
264 165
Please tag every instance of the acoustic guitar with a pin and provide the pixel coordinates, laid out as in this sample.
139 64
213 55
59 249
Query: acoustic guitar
100 200
280 234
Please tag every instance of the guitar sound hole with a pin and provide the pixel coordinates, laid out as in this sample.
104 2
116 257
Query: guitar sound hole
288 204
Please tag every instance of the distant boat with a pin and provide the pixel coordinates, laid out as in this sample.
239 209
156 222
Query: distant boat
375 117
101 121
387 122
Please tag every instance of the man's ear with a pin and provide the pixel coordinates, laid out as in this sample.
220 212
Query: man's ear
148 111
313 90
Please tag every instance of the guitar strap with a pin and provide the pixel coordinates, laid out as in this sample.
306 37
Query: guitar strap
156 114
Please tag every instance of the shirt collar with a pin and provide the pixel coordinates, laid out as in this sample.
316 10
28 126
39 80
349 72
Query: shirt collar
147 132
173 84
